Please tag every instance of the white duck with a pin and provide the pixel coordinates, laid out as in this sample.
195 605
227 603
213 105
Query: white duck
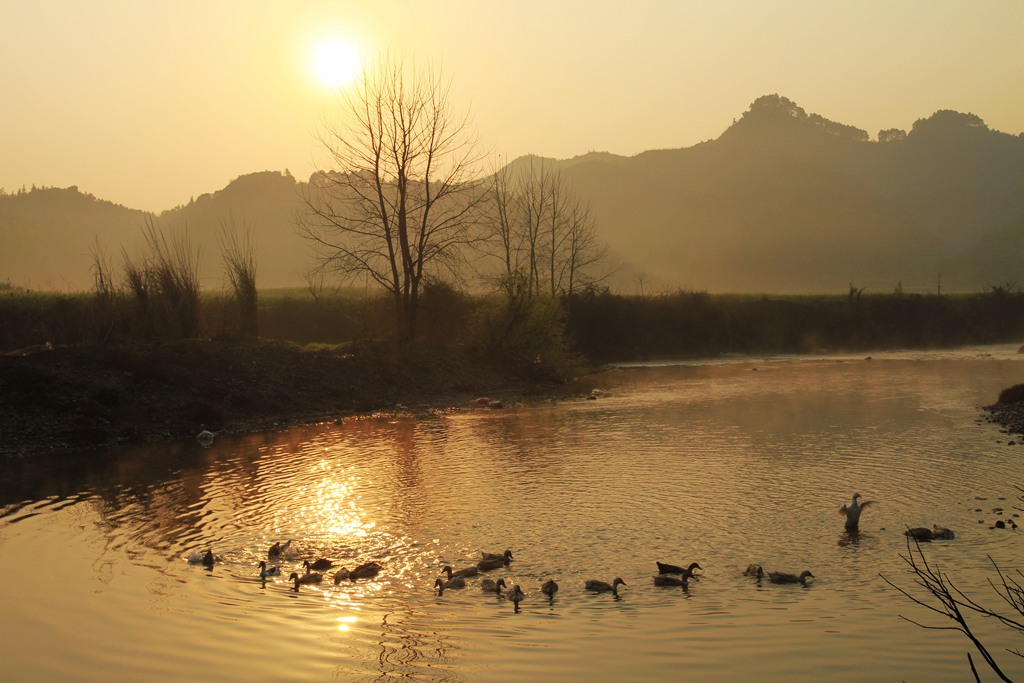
853 510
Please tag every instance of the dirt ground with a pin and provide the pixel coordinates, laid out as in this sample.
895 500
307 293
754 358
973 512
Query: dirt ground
82 397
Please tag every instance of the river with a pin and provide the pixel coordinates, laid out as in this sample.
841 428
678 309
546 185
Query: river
725 462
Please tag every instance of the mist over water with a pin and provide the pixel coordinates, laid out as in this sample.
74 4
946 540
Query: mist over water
723 463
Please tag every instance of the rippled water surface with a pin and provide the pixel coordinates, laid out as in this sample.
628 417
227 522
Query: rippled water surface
723 463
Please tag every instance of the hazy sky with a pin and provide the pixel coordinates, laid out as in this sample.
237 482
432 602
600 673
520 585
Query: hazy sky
150 103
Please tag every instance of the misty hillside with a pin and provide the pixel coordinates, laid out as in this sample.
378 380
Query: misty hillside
782 202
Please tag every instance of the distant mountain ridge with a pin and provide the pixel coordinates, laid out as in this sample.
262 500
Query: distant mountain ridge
782 202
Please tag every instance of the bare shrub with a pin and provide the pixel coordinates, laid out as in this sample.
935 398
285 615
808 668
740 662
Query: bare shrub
957 606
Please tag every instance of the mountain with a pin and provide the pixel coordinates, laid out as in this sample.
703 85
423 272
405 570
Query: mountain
51 236
784 201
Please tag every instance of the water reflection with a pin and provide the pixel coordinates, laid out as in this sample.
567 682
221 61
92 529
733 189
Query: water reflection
850 538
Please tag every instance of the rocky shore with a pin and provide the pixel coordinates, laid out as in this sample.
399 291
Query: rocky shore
82 397
1008 411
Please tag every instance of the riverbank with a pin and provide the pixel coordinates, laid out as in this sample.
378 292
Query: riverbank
69 398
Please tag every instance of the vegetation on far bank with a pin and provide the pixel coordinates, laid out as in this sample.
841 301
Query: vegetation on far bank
594 326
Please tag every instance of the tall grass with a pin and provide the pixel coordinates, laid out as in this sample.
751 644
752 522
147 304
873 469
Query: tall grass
239 253
166 285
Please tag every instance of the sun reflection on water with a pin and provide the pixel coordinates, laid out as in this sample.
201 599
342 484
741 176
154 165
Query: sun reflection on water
332 506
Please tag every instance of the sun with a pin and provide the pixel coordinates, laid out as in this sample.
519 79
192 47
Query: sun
334 62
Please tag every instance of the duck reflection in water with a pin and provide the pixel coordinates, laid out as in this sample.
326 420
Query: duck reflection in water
850 538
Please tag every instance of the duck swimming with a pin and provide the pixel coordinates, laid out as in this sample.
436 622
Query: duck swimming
468 571
305 579
277 549
853 510
604 586
366 570
492 586
781 577
549 588
199 557
505 557
486 565
674 569
516 594
318 565
268 571
754 570
456 582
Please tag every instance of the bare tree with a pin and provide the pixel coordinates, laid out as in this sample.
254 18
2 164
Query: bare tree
399 204
956 606
542 232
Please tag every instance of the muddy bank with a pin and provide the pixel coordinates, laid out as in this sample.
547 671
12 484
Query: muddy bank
82 397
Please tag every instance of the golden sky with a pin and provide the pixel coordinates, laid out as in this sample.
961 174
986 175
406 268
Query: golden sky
150 103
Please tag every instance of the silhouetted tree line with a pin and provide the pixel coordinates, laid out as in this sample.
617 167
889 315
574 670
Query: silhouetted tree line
607 327
551 335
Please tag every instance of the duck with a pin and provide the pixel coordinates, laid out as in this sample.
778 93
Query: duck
604 586
199 557
505 557
266 571
754 570
492 586
515 594
341 575
782 577
486 565
456 582
468 571
920 533
205 437
549 588
317 565
674 569
853 510
311 577
366 570
277 549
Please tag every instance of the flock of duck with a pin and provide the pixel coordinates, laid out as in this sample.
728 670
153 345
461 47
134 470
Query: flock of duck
314 571
489 561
